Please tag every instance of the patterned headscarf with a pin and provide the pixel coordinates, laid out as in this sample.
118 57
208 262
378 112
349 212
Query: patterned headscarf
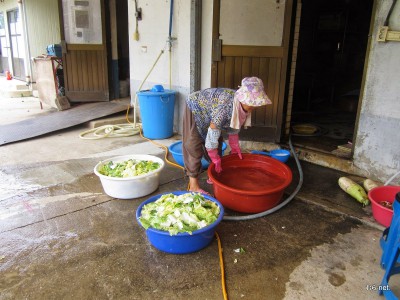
252 93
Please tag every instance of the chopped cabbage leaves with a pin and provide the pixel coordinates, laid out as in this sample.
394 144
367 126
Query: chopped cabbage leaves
179 213
128 168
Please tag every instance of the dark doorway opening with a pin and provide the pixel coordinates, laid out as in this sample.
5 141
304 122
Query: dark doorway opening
330 61
123 47
118 53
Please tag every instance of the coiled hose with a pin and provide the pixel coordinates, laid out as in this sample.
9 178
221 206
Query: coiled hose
282 204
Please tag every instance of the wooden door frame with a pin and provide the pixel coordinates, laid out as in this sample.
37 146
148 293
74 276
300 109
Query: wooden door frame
94 96
279 52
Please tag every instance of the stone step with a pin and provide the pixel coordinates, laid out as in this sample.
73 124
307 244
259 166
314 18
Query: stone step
14 88
16 93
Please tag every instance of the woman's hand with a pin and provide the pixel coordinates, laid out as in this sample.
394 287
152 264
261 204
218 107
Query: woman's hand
215 158
234 144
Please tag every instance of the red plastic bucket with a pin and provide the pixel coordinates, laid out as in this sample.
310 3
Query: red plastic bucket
383 215
253 184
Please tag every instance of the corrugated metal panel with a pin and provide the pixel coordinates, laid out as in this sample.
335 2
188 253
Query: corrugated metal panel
43 25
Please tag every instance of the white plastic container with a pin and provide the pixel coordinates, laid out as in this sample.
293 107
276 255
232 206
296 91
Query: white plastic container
131 187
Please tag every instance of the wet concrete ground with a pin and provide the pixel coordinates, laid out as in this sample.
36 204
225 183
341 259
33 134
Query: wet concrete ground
61 237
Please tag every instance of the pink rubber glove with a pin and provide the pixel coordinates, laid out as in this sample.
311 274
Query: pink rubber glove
216 159
234 144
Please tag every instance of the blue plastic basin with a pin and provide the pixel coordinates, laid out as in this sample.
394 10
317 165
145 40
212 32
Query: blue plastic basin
279 154
176 151
182 243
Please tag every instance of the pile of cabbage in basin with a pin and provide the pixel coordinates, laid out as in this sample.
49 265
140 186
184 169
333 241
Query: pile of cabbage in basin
179 213
128 168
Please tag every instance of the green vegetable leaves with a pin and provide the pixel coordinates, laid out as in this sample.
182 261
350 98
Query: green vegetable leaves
179 213
128 168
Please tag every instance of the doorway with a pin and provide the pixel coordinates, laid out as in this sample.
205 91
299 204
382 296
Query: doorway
116 22
123 48
85 50
332 47
263 53
4 48
17 46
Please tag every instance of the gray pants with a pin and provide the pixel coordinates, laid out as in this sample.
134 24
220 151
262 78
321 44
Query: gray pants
193 147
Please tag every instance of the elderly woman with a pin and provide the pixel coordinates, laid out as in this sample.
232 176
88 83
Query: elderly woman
210 111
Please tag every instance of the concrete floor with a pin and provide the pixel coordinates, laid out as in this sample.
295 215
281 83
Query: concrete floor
61 237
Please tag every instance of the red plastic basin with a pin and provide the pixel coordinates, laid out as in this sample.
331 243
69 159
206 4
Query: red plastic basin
253 184
383 215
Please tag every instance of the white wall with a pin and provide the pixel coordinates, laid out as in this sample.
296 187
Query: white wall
206 43
153 34
377 147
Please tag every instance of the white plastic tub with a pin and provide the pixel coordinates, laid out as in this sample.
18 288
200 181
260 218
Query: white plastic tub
131 187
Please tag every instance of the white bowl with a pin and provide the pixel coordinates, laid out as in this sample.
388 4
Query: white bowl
130 187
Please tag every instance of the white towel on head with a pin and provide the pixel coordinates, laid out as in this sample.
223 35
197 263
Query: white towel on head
235 119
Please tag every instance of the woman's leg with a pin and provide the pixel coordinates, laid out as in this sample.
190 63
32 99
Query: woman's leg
192 149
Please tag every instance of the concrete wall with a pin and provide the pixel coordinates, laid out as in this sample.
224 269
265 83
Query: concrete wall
377 146
206 43
153 34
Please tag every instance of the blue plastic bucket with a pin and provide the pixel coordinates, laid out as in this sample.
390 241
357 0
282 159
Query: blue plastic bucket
157 112
176 150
